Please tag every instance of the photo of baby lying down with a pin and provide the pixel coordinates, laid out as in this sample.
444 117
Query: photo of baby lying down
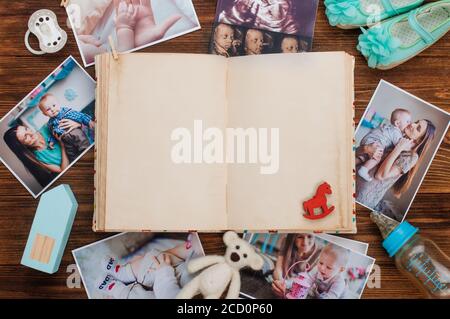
228 41
51 128
133 24
396 140
306 266
137 265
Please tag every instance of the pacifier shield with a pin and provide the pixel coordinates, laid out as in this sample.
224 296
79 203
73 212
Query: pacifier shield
44 25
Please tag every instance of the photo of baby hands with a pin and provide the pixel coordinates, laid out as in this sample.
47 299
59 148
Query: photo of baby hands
132 24
135 24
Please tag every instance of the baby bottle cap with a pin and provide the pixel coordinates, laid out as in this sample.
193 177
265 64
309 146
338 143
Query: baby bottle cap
398 237
385 224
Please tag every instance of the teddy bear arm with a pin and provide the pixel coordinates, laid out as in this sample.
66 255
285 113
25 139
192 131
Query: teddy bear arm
203 262
235 286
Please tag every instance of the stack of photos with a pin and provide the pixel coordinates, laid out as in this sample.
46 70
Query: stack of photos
229 40
137 265
396 141
307 266
51 128
132 24
249 27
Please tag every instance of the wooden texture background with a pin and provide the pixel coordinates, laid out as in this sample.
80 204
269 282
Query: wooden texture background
426 76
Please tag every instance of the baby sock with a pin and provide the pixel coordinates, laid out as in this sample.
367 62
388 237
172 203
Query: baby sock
118 290
364 173
123 273
113 288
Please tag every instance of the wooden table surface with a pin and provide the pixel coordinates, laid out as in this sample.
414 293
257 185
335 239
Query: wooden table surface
426 76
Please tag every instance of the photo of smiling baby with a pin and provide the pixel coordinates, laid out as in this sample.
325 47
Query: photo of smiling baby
133 24
51 128
306 266
228 41
396 141
75 140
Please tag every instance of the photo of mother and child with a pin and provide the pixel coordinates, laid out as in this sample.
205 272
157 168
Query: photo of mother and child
51 128
305 266
396 142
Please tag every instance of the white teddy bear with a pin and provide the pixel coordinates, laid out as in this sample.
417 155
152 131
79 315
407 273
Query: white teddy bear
221 271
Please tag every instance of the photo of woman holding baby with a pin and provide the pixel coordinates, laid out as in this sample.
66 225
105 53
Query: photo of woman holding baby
306 266
395 146
51 128
32 149
299 249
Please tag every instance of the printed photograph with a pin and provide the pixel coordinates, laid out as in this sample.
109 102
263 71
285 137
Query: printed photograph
397 139
228 41
132 24
51 128
357 246
306 266
137 265
296 17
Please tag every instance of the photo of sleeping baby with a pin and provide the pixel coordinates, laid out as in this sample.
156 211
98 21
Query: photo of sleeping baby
132 24
295 17
397 139
305 266
51 128
137 265
228 40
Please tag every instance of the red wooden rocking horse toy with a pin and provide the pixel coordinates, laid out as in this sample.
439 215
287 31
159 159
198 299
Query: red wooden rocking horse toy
318 201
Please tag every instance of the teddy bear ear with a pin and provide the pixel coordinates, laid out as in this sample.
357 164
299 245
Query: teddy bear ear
229 236
257 262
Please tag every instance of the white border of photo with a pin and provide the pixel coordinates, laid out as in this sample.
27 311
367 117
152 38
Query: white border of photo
23 100
163 39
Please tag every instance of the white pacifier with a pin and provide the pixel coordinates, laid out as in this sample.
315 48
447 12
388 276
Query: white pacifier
44 25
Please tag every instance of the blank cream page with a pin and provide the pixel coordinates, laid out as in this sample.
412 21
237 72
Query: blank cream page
146 189
308 97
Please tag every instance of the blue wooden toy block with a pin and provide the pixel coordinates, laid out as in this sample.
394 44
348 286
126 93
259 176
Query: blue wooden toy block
50 230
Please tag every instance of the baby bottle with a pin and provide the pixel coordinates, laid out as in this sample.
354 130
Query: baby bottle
300 286
419 258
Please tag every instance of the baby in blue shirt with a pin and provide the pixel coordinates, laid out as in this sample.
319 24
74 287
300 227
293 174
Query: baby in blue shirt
386 136
75 140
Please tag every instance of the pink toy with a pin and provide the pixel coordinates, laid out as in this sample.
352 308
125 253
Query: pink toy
300 286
